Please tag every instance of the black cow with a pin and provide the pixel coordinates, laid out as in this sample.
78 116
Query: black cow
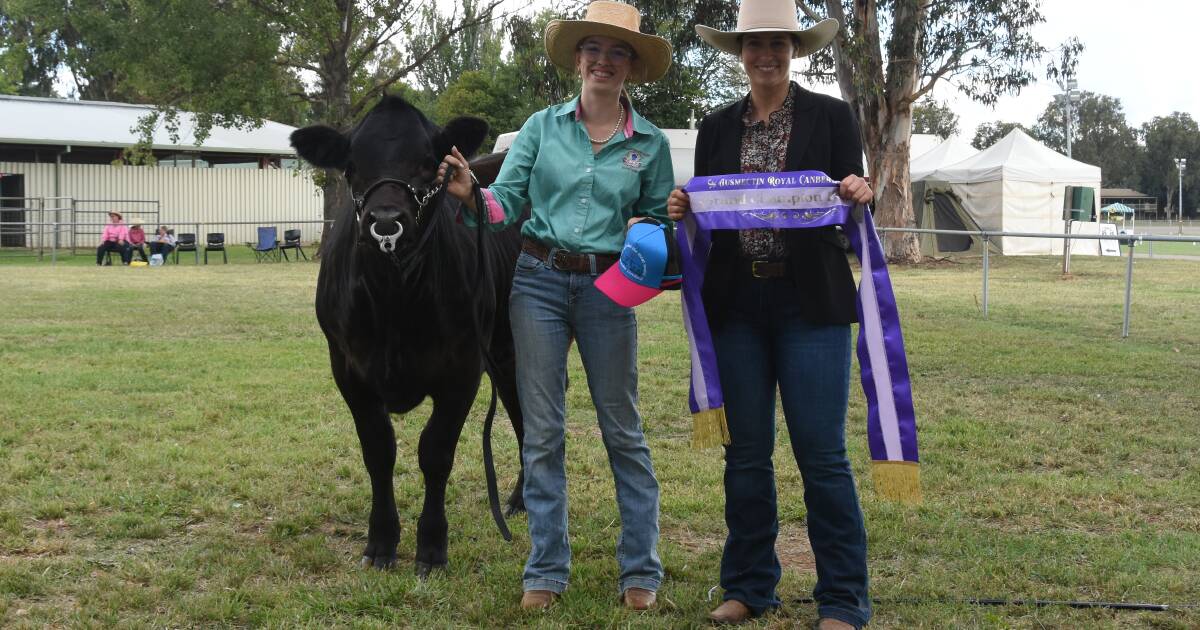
395 298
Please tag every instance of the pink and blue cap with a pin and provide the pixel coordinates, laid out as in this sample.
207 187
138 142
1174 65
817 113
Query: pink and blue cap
649 264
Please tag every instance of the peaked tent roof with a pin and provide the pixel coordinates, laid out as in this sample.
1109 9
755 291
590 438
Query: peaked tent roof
55 121
1117 208
1017 157
921 143
951 151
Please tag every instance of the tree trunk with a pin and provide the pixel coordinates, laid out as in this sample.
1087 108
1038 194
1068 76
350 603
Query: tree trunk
334 81
890 131
890 178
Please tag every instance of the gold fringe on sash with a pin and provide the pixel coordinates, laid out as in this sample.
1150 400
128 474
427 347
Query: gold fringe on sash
709 428
897 480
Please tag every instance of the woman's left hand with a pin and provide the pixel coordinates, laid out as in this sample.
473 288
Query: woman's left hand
855 189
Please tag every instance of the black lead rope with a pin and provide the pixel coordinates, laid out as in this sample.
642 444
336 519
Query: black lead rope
489 464
1018 602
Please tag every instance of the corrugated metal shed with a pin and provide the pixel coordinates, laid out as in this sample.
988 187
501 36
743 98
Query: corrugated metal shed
56 154
217 199
53 121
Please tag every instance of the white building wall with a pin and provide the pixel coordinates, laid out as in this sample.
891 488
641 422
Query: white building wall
214 197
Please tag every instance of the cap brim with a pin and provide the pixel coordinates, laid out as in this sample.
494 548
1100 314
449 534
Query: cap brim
811 39
622 290
653 52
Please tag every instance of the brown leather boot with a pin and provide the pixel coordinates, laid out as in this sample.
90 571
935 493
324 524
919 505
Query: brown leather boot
730 612
537 599
636 598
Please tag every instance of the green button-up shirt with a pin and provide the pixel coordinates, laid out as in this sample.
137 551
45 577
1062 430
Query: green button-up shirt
579 200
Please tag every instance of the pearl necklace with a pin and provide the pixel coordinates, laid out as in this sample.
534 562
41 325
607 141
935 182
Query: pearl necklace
617 127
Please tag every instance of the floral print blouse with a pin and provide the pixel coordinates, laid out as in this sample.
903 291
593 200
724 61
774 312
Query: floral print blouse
764 150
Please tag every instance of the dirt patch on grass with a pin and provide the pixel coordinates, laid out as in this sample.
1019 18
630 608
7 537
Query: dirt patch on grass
793 549
791 546
55 525
693 541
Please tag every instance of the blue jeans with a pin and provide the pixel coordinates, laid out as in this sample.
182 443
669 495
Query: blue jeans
765 342
549 307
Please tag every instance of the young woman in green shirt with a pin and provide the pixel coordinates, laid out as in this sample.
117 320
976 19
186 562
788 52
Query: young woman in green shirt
583 169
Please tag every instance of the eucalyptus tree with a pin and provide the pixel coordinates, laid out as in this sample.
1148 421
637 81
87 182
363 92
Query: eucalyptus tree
932 117
1100 135
986 134
478 48
352 52
1168 138
891 53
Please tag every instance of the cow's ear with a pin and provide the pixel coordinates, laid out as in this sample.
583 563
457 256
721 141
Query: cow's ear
322 146
465 132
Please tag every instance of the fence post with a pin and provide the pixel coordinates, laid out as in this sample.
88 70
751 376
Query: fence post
986 247
54 245
196 251
42 231
1128 290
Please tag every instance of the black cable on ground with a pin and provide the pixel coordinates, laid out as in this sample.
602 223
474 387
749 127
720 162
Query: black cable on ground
1137 606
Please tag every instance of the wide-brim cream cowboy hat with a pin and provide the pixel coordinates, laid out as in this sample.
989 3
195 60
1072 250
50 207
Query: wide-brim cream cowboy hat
618 21
771 16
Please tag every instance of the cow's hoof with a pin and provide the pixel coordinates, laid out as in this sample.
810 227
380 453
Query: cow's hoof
423 569
383 563
514 507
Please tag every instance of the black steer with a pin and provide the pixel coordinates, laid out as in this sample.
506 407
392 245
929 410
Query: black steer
395 297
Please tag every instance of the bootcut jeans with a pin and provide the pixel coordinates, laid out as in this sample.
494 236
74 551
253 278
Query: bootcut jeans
763 344
548 308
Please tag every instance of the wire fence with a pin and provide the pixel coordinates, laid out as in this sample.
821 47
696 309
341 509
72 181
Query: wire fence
40 226
1130 241
52 239
42 238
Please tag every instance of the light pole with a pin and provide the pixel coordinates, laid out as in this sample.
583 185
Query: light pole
1067 100
1181 166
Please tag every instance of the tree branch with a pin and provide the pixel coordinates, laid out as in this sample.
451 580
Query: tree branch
380 87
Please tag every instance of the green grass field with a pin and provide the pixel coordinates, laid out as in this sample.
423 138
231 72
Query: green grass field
1178 249
173 453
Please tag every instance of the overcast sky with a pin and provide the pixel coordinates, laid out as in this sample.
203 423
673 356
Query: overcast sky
1144 53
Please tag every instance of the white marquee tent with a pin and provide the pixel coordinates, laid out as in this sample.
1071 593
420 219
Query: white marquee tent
950 151
1018 185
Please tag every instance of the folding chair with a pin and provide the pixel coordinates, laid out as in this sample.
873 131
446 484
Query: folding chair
291 240
267 247
186 243
215 243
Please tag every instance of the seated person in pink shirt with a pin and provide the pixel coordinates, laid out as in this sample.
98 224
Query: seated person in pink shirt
137 242
115 238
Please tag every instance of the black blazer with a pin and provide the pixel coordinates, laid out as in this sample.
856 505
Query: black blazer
825 137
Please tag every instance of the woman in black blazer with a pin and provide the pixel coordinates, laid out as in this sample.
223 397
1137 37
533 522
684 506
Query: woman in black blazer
780 304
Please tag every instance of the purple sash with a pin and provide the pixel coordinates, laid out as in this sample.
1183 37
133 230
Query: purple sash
806 199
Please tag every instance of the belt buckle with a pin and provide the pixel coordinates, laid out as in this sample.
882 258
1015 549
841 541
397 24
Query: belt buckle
754 268
555 261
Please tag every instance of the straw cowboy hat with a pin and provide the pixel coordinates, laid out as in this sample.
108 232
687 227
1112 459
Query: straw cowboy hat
770 16
114 213
618 21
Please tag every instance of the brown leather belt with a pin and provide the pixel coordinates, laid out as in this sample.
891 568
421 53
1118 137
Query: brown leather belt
568 261
765 268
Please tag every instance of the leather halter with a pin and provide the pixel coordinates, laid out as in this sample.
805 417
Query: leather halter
387 242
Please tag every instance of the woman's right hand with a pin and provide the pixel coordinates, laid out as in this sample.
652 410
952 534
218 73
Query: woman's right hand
460 184
678 204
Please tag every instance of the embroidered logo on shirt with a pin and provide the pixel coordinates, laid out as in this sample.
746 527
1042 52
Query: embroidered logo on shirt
633 160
